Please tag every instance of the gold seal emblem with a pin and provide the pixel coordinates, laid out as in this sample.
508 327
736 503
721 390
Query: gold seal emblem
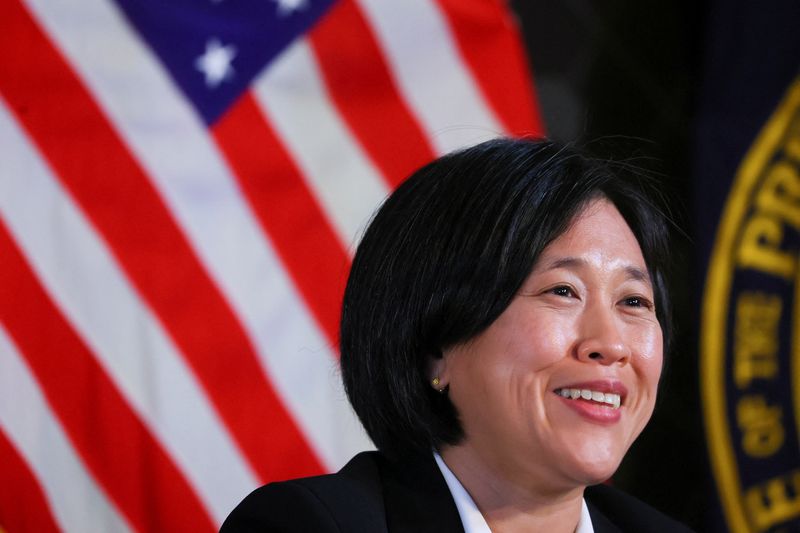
751 332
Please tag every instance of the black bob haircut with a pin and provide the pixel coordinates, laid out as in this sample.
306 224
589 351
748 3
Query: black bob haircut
445 255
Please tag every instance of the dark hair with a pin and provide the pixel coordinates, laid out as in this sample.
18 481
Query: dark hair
445 255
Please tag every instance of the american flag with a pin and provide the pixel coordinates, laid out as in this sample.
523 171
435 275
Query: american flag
182 184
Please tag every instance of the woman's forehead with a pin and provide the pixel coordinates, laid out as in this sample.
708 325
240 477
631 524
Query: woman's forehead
598 236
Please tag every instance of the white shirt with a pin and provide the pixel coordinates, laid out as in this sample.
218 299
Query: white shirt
471 517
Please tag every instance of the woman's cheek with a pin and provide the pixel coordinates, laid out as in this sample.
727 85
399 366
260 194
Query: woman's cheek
646 341
551 343
649 354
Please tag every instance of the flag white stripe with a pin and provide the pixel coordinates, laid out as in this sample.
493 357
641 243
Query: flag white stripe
184 164
430 72
297 104
82 278
76 501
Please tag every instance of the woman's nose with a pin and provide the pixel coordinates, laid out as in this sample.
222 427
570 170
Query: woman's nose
600 337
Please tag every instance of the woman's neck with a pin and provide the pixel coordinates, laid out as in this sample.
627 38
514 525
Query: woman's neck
510 504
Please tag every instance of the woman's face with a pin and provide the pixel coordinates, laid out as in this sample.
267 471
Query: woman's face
565 379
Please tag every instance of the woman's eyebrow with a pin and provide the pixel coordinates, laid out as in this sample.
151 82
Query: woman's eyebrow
563 262
637 274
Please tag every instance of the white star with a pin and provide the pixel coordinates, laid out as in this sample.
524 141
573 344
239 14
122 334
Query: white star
287 7
215 63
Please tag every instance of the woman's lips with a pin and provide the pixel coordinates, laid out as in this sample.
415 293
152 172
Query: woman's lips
607 398
597 401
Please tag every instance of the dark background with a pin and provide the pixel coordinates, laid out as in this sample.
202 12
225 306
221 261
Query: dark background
624 76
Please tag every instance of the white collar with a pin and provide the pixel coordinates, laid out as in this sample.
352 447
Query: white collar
471 517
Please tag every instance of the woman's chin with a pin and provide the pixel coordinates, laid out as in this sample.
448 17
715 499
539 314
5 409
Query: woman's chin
590 467
598 473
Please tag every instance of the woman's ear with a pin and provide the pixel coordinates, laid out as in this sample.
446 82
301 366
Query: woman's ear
437 371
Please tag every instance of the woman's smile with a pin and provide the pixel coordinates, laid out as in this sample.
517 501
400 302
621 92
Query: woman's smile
608 392
592 404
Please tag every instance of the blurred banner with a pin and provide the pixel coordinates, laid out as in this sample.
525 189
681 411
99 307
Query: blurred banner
182 183
747 207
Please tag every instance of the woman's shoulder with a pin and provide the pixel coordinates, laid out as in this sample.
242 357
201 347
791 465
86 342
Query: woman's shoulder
349 500
614 510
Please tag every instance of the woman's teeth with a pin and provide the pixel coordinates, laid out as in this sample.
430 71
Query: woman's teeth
596 396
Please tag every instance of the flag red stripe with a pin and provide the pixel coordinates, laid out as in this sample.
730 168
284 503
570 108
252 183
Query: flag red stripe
488 39
303 237
115 445
362 88
95 166
23 506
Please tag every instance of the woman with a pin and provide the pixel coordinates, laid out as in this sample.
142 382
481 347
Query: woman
502 337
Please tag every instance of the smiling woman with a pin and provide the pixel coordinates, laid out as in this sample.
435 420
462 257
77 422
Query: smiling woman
502 338
567 374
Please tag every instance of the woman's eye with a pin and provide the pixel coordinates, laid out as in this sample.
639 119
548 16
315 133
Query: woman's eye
638 301
562 290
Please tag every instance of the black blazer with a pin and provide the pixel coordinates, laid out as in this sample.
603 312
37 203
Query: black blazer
372 494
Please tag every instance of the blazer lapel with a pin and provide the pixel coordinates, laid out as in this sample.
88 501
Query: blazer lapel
417 499
601 523
354 495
